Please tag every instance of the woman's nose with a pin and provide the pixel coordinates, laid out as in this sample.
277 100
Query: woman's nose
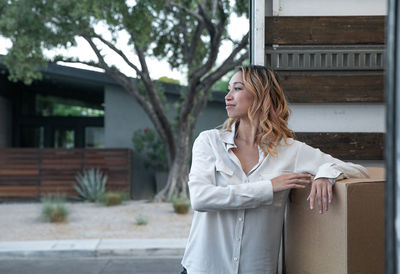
228 96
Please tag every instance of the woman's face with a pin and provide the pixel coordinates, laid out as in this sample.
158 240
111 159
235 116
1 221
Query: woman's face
239 99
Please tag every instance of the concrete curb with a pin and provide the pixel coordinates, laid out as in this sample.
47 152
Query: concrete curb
94 248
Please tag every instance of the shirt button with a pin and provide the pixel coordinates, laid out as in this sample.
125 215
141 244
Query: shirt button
239 239
240 219
235 259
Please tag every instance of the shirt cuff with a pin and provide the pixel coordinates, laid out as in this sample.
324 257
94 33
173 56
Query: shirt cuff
327 171
268 193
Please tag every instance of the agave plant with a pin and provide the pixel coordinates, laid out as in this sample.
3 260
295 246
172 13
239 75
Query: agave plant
92 184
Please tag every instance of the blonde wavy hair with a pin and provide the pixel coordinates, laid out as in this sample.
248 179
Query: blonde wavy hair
269 104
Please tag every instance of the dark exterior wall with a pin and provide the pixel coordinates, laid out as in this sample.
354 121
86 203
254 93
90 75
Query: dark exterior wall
5 122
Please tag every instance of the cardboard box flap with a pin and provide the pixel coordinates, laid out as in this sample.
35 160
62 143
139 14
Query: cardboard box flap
377 175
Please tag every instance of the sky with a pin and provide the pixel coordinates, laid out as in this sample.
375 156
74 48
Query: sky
236 29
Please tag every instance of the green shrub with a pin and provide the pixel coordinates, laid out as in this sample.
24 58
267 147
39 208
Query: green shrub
150 145
125 196
111 198
181 205
92 184
54 209
142 219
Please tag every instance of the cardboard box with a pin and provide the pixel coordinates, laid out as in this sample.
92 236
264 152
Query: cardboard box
348 239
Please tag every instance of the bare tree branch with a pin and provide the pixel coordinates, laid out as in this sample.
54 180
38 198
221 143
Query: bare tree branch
215 41
214 8
97 52
164 129
209 25
119 52
243 43
225 67
195 42
194 78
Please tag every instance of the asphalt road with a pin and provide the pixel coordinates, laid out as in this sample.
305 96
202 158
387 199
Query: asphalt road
116 265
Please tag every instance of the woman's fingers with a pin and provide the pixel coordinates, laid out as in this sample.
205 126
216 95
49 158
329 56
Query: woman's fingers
298 186
321 191
299 176
330 193
292 180
304 182
319 198
325 198
311 197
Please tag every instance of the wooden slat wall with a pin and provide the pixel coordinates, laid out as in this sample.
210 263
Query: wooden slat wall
324 30
30 172
346 146
314 87
328 86
332 85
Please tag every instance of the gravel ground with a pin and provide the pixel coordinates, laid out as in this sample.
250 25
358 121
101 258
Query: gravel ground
22 222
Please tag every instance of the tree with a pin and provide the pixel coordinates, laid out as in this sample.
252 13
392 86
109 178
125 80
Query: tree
166 79
187 33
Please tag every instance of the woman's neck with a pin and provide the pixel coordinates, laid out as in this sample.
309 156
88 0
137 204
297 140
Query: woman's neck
246 132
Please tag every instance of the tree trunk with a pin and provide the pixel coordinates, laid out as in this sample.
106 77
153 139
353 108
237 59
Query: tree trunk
178 173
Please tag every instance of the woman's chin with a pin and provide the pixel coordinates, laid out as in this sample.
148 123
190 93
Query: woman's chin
233 115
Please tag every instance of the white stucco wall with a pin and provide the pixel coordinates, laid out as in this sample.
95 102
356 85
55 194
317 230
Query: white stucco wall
350 117
328 7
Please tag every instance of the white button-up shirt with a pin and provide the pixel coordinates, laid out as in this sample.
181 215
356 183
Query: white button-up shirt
238 219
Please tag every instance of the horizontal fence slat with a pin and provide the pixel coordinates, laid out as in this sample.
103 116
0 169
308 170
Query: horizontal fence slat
19 191
324 30
17 181
332 88
346 146
19 171
19 166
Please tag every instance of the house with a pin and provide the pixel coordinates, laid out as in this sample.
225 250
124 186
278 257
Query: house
103 115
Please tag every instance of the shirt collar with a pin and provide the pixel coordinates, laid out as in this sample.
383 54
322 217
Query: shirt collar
228 137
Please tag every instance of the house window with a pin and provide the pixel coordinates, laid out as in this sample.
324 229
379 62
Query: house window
64 138
59 122
46 106
94 137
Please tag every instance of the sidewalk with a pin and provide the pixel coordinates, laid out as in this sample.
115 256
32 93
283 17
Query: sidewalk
93 231
93 248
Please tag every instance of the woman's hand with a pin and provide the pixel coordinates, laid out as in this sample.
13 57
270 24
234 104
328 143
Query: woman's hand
290 180
322 190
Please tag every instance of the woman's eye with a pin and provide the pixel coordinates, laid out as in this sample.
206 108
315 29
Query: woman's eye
238 88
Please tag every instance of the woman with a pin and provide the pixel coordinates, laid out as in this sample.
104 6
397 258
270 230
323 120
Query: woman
241 176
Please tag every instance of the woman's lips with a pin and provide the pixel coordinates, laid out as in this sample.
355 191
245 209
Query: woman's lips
229 106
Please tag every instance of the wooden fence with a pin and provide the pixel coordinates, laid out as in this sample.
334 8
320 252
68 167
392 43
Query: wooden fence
33 172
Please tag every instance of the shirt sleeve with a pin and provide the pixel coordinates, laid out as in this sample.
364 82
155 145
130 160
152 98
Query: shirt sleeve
322 165
205 195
